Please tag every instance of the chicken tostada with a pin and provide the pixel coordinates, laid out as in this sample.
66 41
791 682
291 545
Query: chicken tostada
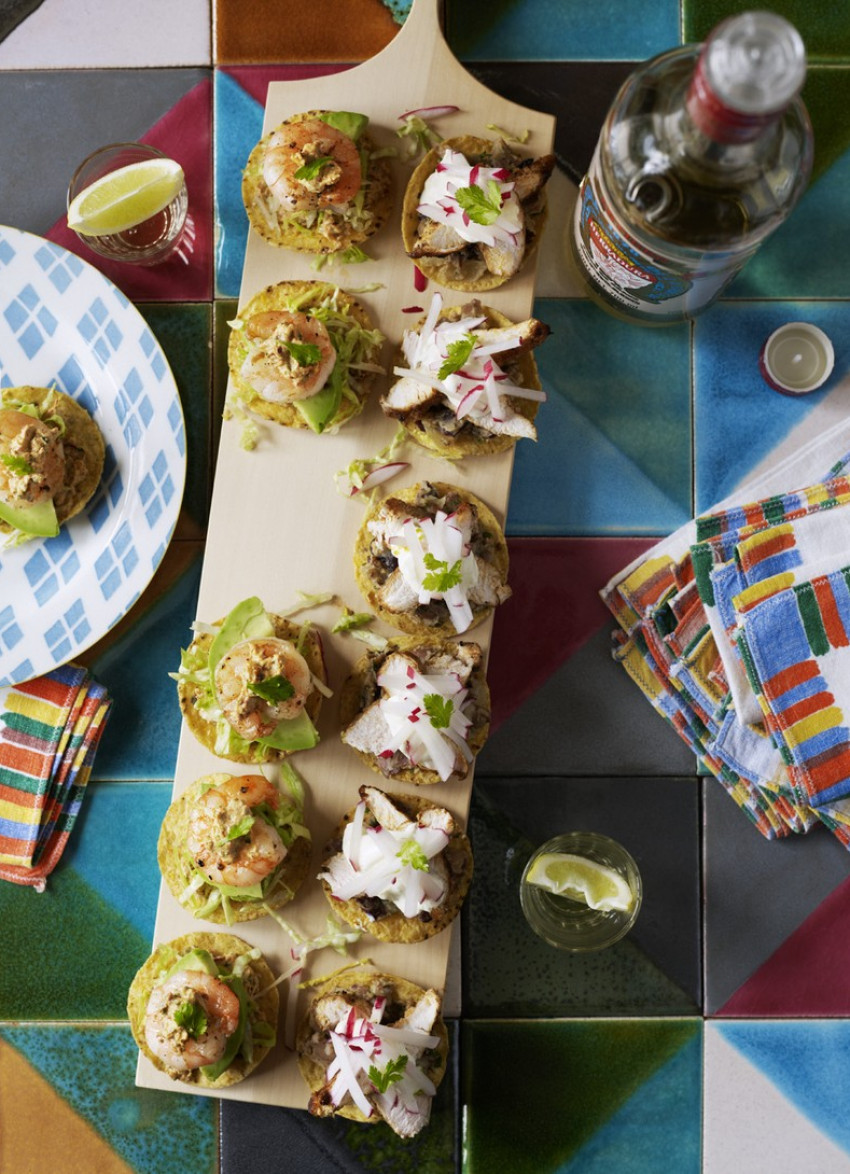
398 867
373 1047
432 560
467 381
250 686
473 212
303 354
418 711
51 461
203 1008
233 848
316 183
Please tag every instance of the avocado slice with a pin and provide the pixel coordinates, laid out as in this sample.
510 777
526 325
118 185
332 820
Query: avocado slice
39 520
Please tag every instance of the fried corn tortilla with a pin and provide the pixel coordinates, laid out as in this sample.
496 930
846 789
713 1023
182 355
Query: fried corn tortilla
365 987
361 690
176 866
382 919
464 271
305 296
225 949
82 441
371 569
294 230
205 731
469 440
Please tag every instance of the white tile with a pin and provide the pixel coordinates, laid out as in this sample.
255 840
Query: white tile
109 34
750 1127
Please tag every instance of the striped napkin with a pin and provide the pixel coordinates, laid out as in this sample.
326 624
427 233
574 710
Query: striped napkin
50 728
705 632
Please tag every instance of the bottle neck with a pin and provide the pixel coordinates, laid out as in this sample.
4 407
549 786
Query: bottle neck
716 119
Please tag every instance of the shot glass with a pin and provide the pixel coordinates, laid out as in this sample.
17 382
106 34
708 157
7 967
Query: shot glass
573 925
148 243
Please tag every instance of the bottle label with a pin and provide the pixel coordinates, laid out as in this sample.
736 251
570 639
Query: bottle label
632 275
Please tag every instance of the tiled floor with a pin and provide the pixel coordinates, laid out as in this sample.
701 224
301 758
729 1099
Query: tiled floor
714 1037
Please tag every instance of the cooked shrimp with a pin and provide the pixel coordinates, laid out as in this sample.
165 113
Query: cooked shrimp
260 683
189 1019
223 855
291 355
310 164
35 470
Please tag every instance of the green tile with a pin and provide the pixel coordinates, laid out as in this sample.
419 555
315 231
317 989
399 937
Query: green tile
596 1097
825 28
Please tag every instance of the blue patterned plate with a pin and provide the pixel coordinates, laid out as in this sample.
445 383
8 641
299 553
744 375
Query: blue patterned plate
62 322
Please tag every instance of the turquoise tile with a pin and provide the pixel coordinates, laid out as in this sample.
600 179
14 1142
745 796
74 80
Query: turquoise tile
238 126
547 30
84 937
93 1101
582 1098
183 332
140 740
738 419
614 448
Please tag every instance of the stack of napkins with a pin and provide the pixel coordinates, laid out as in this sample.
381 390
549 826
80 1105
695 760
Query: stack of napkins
50 728
737 629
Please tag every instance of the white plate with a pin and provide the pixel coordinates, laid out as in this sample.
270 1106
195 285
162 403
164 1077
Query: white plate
62 322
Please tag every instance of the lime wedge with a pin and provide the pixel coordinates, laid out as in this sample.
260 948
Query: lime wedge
126 197
581 879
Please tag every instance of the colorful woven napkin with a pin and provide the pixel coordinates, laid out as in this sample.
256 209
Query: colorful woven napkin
49 731
695 641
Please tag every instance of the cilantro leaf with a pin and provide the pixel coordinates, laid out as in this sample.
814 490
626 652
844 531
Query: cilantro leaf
458 352
273 689
241 828
314 167
484 207
442 577
439 710
14 464
305 354
412 854
393 1072
191 1017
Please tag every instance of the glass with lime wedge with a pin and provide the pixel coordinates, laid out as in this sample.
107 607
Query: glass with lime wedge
581 891
128 202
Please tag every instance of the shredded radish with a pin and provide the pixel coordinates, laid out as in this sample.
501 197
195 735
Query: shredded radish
439 201
429 112
420 281
379 475
411 309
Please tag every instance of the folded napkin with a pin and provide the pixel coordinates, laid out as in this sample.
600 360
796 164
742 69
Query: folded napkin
50 728
687 637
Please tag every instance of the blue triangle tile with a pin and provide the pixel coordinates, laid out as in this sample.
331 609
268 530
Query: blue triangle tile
239 125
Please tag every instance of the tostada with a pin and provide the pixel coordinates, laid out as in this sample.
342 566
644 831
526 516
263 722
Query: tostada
467 381
419 710
398 867
373 1047
51 461
250 686
233 848
473 212
432 560
317 184
303 354
203 1008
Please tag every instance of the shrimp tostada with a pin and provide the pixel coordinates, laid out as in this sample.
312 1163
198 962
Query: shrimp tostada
51 461
232 848
250 686
373 1047
203 1009
473 212
467 380
303 354
317 184
419 711
432 560
398 867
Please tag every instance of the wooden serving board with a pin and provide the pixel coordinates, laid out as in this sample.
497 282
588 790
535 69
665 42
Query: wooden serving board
278 525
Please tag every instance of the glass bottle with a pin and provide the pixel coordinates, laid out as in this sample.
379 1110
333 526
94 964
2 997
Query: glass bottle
704 152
